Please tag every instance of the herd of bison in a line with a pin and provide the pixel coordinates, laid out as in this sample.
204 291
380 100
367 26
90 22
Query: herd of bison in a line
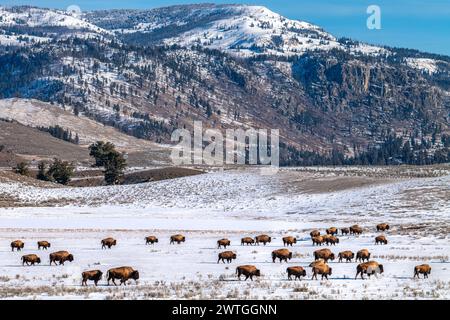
319 265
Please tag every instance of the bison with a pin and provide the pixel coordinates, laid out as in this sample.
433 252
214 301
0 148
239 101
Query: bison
263 238
108 242
347 255
248 271
345 231
247 241
226 255
43 244
93 275
318 240
314 233
355 229
151 240
223 243
331 240
316 262
362 255
424 269
289 241
18 245
332 231
324 254
381 240
30 259
122 273
297 272
178 238
369 268
61 257
382 227
282 254
322 269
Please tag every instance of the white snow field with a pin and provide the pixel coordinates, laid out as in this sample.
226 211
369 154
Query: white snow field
231 204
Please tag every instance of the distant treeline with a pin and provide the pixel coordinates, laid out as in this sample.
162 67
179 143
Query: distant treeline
393 151
61 133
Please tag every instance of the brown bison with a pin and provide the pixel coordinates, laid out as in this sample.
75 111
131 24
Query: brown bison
61 257
178 238
17 244
297 272
108 242
93 275
314 233
345 231
247 241
30 259
347 255
263 238
43 244
382 227
318 240
331 240
369 268
324 254
362 255
248 271
355 229
223 243
151 240
226 255
381 240
289 241
282 254
316 262
424 269
332 231
322 269
123 274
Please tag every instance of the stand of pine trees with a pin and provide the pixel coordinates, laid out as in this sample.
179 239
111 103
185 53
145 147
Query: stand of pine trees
61 133
393 151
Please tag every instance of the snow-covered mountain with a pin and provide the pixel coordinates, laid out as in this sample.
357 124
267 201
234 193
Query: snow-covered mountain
239 29
148 72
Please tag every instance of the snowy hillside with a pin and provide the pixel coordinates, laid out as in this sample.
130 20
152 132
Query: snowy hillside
36 17
231 204
239 29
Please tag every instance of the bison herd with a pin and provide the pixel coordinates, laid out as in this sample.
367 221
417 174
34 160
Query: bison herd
318 267
122 273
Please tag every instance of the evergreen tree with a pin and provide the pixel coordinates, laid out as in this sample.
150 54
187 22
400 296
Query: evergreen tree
42 171
22 169
101 151
61 171
114 167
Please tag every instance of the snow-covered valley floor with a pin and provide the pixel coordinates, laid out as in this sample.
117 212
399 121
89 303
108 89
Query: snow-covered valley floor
230 205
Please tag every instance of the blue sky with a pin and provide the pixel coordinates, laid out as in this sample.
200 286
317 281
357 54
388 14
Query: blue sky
418 24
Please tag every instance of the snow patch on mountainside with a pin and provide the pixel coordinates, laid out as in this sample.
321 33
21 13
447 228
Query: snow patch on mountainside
427 65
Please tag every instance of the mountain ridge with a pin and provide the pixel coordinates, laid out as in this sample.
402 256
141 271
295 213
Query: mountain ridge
323 98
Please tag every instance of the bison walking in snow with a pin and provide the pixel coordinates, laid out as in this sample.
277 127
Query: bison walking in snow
18 245
248 271
43 244
30 259
61 257
93 275
123 274
424 269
